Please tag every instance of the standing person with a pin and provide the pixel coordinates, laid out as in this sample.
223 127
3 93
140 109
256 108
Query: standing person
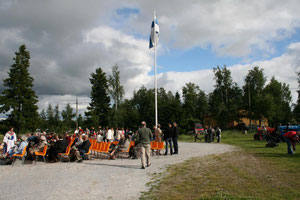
168 139
218 134
158 133
143 139
93 132
9 140
209 134
110 135
206 134
175 137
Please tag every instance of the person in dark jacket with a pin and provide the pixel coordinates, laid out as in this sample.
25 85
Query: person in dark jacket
59 146
83 148
175 134
209 134
168 139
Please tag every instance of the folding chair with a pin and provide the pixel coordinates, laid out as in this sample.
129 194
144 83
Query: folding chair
22 155
43 153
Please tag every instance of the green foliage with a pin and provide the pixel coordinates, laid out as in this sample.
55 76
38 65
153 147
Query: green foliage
254 85
98 110
277 109
297 106
195 105
116 92
226 99
19 100
67 116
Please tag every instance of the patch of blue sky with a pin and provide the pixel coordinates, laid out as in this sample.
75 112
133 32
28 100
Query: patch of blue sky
126 12
279 46
192 60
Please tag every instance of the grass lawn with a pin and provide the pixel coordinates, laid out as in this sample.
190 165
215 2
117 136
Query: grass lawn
252 172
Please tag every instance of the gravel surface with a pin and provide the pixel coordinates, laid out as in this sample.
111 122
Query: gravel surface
92 179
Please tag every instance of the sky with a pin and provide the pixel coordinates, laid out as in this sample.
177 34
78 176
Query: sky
68 40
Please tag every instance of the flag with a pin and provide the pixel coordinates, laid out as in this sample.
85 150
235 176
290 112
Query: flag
154 35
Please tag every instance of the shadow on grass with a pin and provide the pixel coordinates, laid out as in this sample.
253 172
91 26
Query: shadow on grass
278 155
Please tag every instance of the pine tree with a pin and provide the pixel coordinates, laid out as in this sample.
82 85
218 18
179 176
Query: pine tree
67 116
19 100
50 118
98 110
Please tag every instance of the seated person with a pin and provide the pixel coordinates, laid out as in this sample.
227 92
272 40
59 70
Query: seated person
18 149
39 148
77 142
59 146
82 149
122 145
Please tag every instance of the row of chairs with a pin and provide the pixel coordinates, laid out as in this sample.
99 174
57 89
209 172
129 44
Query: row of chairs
101 147
22 155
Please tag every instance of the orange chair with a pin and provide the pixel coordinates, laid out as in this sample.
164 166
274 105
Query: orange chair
154 145
22 155
105 149
86 155
66 154
160 146
43 153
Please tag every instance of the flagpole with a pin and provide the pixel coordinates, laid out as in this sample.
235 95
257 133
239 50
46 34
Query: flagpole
155 68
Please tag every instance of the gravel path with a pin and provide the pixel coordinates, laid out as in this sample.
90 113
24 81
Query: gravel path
92 179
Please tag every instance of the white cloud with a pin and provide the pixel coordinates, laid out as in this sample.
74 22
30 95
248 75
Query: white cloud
68 40
231 28
283 68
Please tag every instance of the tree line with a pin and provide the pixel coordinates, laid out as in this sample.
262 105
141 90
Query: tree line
228 102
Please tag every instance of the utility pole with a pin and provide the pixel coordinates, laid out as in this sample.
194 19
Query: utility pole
76 112
249 101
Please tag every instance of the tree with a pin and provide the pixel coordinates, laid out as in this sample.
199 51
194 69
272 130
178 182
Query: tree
195 105
57 122
225 100
43 120
67 116
143 102
297 106
50 118
98 109
281 96
19 100
116 92
253 87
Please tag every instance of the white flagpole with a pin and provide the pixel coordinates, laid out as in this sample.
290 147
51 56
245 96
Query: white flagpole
155 68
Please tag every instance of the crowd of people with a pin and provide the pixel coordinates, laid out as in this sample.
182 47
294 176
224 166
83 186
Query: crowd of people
211 133
79 142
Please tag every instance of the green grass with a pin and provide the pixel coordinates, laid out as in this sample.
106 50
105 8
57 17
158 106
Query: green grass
252 172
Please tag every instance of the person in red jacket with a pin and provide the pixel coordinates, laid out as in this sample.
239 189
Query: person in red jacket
291 138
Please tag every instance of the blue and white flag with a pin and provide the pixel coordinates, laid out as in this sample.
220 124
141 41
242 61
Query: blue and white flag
154 35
